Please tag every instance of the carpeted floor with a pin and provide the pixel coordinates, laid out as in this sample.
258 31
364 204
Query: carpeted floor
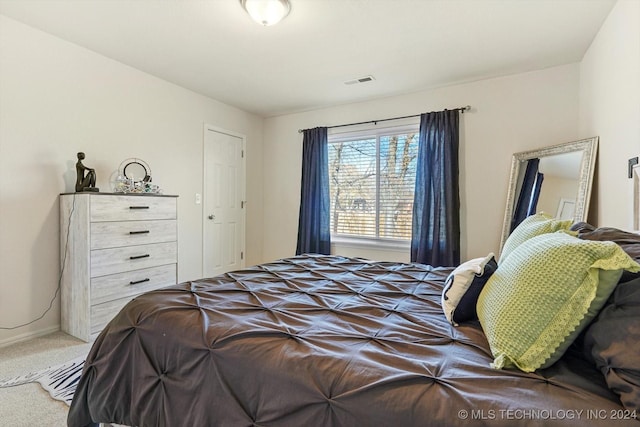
30 405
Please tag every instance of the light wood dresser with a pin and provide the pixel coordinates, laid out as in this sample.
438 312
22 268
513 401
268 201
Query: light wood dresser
113 247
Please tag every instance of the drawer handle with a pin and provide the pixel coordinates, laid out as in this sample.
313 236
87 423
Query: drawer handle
139 232
138 207
140 256
135 282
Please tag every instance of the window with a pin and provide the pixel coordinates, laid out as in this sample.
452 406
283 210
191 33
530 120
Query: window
372 180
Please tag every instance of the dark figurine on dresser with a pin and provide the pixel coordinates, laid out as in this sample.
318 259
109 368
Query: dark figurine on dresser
85 182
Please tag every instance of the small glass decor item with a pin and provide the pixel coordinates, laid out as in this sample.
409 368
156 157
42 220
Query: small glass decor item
122 185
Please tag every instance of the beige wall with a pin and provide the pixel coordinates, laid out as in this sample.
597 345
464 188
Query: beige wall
554 189
610 108
58 99
509 114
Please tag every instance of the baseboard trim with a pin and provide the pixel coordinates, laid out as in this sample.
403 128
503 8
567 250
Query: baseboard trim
29 335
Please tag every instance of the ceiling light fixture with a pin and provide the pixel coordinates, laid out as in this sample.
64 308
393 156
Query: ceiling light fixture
266 12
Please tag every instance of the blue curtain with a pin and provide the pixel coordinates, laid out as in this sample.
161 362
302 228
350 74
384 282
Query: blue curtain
535 195
314 234
524 206
435 238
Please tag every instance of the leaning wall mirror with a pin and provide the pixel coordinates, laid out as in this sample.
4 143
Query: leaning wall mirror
556 180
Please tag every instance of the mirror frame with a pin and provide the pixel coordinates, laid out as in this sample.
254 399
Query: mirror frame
588 147
122 169
146 176
636 198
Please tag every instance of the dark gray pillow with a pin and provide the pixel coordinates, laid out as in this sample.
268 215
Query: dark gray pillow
628 241
613 341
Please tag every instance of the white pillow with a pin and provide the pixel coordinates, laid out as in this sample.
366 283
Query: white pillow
463 286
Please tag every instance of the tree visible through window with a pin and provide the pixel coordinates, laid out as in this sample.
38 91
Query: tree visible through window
372 182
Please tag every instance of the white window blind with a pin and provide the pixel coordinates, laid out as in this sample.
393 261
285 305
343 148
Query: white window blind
372 180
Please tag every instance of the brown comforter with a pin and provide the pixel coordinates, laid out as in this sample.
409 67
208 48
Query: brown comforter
319 341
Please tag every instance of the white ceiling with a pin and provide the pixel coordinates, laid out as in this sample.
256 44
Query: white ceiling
212 47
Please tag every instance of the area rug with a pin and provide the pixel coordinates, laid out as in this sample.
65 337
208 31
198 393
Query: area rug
60 381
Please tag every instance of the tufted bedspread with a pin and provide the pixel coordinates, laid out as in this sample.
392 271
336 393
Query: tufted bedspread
319 341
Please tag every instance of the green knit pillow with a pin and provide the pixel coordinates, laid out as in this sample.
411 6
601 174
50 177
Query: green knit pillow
542 296
532 226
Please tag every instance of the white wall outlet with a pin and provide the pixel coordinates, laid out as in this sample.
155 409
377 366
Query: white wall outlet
198 198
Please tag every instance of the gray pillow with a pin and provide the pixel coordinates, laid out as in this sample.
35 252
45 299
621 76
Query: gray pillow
613 341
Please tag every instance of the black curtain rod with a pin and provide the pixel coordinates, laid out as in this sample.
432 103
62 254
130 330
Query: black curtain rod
461 109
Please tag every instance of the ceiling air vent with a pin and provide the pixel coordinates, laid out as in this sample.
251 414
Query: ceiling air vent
360 80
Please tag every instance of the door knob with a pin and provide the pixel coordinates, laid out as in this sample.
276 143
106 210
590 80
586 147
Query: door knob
212 216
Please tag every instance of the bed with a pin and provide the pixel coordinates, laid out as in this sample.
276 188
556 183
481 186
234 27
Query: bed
319 340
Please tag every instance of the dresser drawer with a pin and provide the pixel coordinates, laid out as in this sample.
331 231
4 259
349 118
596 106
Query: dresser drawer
131 283
119 260
132 208
101 314
127 233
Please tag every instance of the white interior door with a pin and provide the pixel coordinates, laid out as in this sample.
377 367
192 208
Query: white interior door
223 204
